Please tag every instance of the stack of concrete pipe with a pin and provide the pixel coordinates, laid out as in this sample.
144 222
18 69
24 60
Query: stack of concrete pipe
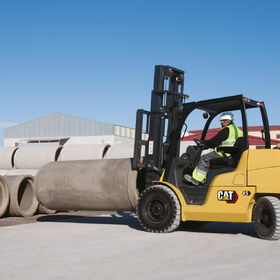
17 167
17 192
74 177
77 177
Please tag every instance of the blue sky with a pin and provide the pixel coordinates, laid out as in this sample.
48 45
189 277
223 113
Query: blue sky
95 59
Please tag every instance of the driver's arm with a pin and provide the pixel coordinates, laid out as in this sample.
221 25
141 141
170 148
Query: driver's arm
215 141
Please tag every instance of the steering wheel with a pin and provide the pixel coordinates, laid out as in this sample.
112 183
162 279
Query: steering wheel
198 143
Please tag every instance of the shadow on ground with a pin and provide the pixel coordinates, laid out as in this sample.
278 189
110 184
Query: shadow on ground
220 227
120 218
129 219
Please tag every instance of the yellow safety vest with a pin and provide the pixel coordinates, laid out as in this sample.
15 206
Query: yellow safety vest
234 133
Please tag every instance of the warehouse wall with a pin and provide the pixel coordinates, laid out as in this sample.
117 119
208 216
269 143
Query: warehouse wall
102 139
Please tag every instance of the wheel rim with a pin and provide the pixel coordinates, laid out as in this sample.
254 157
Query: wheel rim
156 210
265 218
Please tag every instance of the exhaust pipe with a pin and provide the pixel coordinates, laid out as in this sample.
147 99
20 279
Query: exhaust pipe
23 202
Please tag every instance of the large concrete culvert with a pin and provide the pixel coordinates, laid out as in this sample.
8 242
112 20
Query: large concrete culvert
4 196
88 185
83 152
35 156
23 202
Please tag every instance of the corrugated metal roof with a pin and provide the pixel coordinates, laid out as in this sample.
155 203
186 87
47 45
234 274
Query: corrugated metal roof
57 125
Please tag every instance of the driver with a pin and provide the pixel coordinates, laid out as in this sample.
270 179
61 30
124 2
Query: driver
226 137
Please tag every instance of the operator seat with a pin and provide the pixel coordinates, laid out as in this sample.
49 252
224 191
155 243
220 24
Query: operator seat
235 152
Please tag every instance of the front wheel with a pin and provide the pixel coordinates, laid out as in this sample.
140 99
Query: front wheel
266 217
159 209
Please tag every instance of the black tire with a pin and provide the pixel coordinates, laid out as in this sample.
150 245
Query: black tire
266 217
159 209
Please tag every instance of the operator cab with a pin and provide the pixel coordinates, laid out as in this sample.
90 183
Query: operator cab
158 133
188 161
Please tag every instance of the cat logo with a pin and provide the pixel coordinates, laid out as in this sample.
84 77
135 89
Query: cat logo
228 196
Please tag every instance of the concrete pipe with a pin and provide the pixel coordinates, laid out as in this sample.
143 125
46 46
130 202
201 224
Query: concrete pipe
7 157
88 185
44 210
16 172
23 202
4 196
35 156
83 152
120 151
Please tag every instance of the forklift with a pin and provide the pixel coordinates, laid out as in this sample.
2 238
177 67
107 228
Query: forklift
242 187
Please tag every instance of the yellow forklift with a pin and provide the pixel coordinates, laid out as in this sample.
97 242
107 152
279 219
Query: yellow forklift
240 188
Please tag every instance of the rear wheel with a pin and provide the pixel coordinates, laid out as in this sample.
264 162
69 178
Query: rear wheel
267 217
158 209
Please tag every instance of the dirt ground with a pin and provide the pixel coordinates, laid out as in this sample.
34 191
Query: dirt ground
11 221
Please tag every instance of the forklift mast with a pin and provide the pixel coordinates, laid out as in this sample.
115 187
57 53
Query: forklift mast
167 101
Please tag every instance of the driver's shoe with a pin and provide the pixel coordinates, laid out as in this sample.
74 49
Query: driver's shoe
190 179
